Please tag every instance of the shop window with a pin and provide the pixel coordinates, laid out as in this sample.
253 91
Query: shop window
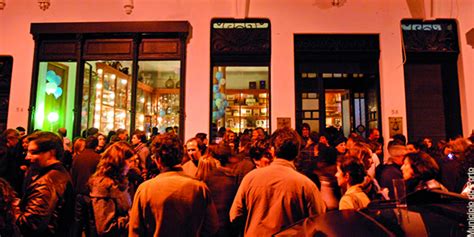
240 98
55 96
240 80
158 95
110 75
106 95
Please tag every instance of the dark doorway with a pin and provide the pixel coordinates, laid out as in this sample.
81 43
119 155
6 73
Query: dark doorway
337 82
431 79
6 64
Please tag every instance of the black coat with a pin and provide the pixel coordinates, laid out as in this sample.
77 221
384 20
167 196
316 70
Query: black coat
46 208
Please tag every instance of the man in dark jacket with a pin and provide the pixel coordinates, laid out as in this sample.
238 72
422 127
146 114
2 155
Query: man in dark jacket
46 207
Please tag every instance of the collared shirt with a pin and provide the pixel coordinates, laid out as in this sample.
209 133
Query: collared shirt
172 204
274 197
354 198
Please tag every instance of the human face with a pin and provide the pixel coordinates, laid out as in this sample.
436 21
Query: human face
130 163
411 148
12 140
342 178
341 147
24 144
427 142
305 132
407 170
135 140
375 135
231 137
447 150
323 140
101 141
193 150
254 135
38 159
123 136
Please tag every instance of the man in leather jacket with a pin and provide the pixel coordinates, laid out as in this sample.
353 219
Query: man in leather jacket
47 205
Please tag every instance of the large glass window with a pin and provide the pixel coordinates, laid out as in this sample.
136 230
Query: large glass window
106 95
55 96
158 98
240 98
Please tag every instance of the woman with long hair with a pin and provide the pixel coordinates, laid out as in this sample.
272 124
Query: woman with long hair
109 190
8 210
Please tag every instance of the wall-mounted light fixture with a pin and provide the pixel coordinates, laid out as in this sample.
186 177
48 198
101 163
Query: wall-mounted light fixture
44 4
2 4
128 6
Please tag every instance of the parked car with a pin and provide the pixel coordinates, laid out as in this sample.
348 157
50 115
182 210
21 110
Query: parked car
428 213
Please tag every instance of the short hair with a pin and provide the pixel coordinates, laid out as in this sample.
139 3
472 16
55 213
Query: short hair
92 141
47 141
400 137
286 143
424 166
167 147
305 125
351 165
259 149
199 142
92 131
201 136
141 135
20 129
120 131
62 132
222 152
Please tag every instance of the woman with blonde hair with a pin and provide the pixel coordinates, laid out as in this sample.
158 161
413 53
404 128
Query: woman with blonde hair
109 190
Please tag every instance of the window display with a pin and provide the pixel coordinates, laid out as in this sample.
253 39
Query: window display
240 98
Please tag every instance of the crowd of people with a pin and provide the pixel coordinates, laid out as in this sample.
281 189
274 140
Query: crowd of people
251 184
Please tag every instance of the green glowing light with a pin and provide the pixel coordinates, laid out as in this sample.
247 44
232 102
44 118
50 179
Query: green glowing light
53 117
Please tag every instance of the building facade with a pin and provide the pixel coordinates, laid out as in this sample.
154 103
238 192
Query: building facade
329 63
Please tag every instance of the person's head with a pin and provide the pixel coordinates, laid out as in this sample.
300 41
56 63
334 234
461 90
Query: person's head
260 153
340 145
419 166
363 153
229 136
91 142
24 142
62 132
286 143
447 149
101 140
7 205
305 130
79 145
11 137
374 134
222 152
138 137
244 143
194 148
412 147
44 149
353 139
203 137
397 150
258 134
428 142
116 160
21 130
122 134
154 131
167 150
206 167
323 139
91 132
350 171
401 138
169 130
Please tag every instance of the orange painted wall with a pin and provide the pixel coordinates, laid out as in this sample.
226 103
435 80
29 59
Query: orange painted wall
288 17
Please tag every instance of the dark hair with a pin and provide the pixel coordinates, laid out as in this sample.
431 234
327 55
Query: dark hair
305 125
20 129
7 210
200 144
400 137
47 141
141 135
351 165
201 136
92 131
92 141
259 149
424 166
222 152
167 147
112 161
286 142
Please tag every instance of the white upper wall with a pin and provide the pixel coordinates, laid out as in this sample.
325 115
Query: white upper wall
288 17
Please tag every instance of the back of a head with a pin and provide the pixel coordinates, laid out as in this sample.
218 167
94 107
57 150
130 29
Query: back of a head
400 138
113 161
141 135
222 152
396 148
92 131
62 132
286 143
47 141
351 165
259 149
424 166
168 147
92 142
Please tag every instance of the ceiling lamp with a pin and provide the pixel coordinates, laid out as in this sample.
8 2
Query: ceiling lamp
44 4
2 4
128 6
